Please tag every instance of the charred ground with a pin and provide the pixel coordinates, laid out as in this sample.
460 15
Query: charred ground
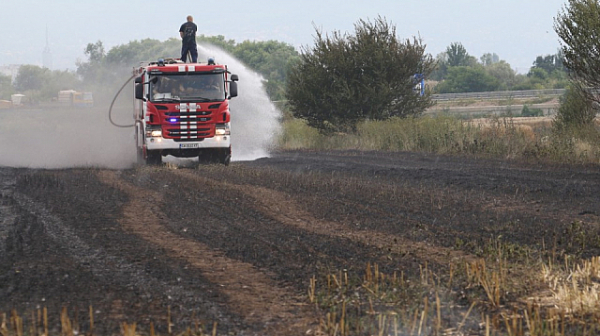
238 245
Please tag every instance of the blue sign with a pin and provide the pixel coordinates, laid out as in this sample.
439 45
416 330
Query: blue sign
419 87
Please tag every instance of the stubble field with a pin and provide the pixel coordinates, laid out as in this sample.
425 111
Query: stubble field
337 242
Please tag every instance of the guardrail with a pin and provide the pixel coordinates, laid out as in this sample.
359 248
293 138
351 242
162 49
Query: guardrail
547 109
498 94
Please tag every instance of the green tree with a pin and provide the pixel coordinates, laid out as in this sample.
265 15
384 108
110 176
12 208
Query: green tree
575 111
104 70
95 51
441 68
488 59
30 78
6 87
57 80
90 71
502 71
458 56
550 63
578 26
468 79
218 41
344 79
42 84
272 59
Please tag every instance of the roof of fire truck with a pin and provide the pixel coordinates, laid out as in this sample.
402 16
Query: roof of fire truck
176 65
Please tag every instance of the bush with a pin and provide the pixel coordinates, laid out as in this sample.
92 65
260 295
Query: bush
575 111
345 79
531 112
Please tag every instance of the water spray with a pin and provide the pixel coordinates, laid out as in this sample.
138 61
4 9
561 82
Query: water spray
255 119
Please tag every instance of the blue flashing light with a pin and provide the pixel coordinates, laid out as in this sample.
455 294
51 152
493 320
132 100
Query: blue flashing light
173 120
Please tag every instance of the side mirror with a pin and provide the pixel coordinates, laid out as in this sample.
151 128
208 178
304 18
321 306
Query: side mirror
234 78
139 91
138 79
233 90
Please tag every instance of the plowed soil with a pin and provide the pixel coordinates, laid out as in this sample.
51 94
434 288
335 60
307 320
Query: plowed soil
237 245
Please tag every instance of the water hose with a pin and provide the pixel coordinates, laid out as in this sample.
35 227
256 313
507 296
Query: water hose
113 103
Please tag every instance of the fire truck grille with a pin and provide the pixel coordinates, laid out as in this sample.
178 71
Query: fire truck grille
189 134
191 119
179 114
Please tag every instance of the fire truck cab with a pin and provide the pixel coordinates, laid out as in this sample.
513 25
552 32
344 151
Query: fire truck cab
182 109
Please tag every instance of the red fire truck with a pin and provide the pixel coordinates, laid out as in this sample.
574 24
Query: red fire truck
182 109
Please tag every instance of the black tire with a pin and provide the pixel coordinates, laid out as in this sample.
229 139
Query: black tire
225 156
153 158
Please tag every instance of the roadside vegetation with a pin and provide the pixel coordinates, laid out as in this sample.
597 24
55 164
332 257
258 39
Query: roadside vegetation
496 136
573 136
458 72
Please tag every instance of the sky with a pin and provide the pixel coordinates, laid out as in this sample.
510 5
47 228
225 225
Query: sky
517 30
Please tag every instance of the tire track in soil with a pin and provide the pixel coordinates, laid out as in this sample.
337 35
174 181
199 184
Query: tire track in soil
510 191
103 265
282 208
249 292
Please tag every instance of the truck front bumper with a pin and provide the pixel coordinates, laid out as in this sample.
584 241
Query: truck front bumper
218 141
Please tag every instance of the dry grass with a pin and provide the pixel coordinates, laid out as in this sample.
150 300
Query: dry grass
36 324
382 304
502 137
575 288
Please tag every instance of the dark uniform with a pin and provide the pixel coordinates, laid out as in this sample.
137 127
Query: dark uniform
188 43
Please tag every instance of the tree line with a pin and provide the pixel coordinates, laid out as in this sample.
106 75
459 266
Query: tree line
454 70
103 69
370 74
457 71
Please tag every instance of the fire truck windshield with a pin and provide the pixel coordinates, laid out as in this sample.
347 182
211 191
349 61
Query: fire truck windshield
196 87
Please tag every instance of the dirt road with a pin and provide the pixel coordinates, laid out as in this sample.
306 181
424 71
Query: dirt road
238 245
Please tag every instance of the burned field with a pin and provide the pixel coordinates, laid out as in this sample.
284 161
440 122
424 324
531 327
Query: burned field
342 242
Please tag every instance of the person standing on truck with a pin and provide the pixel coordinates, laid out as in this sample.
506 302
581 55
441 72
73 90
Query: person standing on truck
188 43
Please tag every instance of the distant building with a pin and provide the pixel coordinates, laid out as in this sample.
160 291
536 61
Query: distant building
47 55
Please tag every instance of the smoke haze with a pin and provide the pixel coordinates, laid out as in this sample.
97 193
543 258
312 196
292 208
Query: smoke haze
63 138
58 137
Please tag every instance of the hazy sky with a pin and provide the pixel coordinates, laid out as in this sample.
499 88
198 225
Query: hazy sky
516 30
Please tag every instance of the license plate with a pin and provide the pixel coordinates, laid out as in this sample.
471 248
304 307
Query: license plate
190 145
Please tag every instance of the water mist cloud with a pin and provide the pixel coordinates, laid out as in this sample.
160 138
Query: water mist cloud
254 119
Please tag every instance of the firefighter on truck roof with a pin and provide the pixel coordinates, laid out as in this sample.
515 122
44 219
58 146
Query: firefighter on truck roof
187 31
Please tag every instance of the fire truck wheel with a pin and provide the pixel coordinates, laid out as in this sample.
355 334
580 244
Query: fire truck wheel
153 158
225 156
225 159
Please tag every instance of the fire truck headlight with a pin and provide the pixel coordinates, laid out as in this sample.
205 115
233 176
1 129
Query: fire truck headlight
156 133
222 129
